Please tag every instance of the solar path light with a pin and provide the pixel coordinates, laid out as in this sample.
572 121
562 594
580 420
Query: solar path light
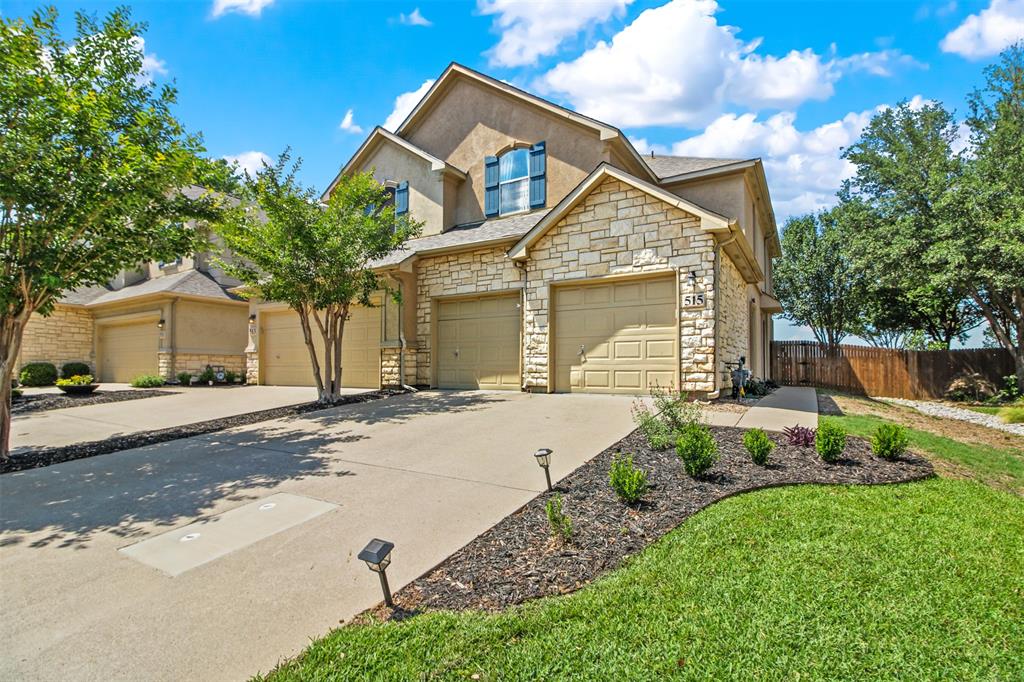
377 555
544 461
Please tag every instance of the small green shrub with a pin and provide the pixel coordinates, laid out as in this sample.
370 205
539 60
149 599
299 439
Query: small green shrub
77 380
74 369
890 441
561 524
628 481
674 410
1012 415
147 381
229 377
759 445
697 448
207 375
184 378
38 374
655 431
830 441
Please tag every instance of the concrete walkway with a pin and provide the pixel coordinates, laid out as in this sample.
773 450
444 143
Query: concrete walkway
787 406
210 558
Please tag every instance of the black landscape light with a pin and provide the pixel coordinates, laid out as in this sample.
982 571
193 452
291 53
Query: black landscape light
377 555
544 461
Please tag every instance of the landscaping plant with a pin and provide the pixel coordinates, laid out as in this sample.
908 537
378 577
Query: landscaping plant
184 378
77 380
830 441
628 481
38 374
147 381
889 441
229 377
207 375
561 524
1012 415
71 369
674 410
759 445
697 449
655 431
800 436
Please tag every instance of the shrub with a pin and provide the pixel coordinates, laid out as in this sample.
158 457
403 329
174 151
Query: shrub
1012 415
561 524
759 387
38 374
697 448
629 482
657 434
74 369
184 378
76 380
759 445
830 441
970 387
674 410
229 377
1009 392
207 375
147 381
890 441
801 436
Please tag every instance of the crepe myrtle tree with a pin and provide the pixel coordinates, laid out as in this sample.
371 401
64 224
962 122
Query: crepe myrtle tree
91 163
317 257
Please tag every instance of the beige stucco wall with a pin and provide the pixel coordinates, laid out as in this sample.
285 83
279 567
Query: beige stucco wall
209 328
618 230
66 335
733 319
391 163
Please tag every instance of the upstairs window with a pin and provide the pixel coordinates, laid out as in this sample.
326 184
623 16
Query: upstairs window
515 181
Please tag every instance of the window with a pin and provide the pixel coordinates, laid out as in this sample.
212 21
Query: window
514 181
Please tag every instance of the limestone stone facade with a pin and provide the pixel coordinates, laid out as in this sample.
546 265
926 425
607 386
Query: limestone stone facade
391 365
195 363
733 320
66 335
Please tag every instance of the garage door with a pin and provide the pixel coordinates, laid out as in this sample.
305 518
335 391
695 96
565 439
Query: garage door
284 359
127 350
617 337
478 343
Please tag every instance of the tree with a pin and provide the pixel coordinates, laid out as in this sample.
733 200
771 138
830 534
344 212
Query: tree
987 249
91 160
317 258
906 173
815 279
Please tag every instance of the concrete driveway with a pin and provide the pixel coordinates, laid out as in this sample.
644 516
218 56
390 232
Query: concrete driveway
210 558
184 406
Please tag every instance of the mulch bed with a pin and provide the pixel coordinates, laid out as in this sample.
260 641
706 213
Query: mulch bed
58 401
517 559
34 459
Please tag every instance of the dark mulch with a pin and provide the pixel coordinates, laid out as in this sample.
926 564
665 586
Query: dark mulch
517 559
58 401
33 459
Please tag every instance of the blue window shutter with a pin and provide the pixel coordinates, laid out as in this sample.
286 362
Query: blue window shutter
490 186
402 198
538 170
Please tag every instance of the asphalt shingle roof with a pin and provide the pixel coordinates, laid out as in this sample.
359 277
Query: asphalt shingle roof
190 283
668 166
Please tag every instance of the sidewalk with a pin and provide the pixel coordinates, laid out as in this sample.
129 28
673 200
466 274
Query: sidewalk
788 406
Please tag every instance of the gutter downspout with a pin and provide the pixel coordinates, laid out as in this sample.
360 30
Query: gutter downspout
521 265
717 270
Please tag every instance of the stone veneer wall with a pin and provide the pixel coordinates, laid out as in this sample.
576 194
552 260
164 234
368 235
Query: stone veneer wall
618 230
195 363
390 366
65 336
733 320
480 271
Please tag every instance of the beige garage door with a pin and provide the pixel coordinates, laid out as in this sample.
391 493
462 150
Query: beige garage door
127 350
478 343
284 359
617 337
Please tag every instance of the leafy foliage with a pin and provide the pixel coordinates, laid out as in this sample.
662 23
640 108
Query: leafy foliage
759 445
147 381
184 378
674 409
697 449
890 441
1012 415
561 524
38 374
654 430
207 375
800 436
76 380
627 480
830 440
70 369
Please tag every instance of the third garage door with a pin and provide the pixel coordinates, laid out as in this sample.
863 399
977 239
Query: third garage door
616 337
128 350
478 343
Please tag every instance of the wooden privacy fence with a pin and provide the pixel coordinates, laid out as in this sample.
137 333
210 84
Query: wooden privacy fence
883 372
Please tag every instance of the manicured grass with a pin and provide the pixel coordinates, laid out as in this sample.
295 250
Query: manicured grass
1002 467
916 581
984 409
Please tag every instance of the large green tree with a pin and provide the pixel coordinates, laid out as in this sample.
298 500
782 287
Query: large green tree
91 160
815 279
318 258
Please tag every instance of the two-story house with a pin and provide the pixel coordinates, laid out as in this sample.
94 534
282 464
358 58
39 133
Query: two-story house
554 257
160 318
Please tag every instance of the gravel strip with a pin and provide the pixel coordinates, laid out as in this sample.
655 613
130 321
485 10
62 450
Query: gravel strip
52 401
517 559
33 459
934 409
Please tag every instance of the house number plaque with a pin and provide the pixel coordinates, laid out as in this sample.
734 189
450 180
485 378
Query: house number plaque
693 300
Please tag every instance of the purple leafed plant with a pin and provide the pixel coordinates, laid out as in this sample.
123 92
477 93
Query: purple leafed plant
799 435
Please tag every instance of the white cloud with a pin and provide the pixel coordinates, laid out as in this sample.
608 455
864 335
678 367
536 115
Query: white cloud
987 32
404 104
414 18
675 64
348 125
152 65
251 7
249 162
531 29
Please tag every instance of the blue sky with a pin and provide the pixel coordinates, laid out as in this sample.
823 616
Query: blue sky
791 82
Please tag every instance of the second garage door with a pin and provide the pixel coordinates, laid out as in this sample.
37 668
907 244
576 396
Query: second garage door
616 337
126 351
284 359
478 343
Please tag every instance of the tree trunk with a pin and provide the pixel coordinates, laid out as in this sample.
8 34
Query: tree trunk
11 330
307 335
339 335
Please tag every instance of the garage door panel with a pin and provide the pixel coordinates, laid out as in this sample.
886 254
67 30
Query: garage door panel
478 343
127 351
629 350
629 380
284 357
662 291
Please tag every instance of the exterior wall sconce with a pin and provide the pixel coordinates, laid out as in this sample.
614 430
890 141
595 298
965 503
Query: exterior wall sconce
693 276
160 324
252 318
544 462
377 555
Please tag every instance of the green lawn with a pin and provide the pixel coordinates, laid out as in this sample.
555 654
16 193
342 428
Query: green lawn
916 581
984 409
997 466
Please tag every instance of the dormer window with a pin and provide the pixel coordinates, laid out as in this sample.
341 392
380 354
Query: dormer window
515 181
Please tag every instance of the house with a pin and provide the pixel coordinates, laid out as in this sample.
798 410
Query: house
554 257
161 318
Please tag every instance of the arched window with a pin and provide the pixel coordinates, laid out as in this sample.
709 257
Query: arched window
514 181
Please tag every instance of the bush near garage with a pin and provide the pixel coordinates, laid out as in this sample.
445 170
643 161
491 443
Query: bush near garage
38 374
74 369
147 381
